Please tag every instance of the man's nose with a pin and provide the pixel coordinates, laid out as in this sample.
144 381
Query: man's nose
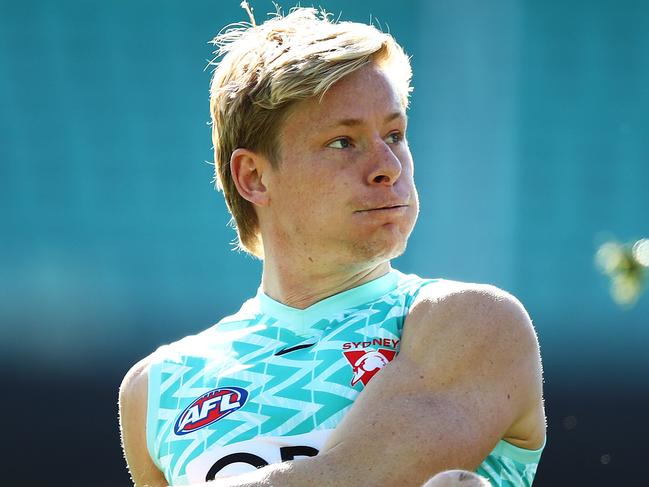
386 166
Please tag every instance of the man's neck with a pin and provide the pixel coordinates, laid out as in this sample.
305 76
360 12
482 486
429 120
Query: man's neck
300 289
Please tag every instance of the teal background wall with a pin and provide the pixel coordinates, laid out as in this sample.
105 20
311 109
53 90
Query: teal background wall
530 132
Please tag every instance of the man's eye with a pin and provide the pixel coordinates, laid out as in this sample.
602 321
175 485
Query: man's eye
340 144
394 138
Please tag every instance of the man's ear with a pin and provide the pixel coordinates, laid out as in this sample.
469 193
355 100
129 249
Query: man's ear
247 168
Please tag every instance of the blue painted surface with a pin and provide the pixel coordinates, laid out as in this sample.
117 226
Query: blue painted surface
530 133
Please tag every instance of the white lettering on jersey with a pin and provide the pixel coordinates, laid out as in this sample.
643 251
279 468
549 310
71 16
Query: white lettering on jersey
226 405
191 416
196 414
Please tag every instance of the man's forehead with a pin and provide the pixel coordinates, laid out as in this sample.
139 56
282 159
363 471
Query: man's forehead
366 96
354 122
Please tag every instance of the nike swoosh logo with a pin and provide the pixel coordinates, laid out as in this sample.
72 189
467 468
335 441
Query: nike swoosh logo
293 349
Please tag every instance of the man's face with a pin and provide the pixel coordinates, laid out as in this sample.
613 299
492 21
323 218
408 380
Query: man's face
343 190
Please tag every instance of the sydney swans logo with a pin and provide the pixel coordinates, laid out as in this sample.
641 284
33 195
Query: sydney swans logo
366 363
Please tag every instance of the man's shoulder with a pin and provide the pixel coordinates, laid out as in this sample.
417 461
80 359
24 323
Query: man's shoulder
479 338
469 305
480 319
202 340
133 389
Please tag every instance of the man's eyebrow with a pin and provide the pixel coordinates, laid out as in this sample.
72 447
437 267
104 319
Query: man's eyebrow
353 122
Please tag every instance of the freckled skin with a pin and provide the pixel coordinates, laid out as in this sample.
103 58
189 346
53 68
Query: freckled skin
329 171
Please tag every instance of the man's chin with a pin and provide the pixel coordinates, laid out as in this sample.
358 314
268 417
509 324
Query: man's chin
379 249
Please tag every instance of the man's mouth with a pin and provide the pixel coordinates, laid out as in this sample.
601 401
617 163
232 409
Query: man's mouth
384 208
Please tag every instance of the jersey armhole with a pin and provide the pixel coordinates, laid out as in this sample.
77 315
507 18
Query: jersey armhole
413 297
517 453
153 401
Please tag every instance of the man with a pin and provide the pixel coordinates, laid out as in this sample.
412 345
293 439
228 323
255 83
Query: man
341 371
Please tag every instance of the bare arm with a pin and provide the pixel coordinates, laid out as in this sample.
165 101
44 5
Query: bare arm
468 374
132 421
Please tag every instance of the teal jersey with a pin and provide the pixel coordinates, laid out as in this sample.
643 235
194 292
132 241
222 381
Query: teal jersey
271 382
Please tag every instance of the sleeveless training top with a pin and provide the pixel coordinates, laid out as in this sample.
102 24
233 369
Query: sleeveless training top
271 382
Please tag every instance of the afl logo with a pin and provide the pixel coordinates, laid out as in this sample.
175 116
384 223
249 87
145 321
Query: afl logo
209 408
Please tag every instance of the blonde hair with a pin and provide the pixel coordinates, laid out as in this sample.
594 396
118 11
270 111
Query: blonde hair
266 69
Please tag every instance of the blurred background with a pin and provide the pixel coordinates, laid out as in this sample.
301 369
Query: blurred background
530 132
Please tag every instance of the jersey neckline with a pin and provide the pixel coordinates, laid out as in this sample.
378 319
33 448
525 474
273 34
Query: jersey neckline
306 317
